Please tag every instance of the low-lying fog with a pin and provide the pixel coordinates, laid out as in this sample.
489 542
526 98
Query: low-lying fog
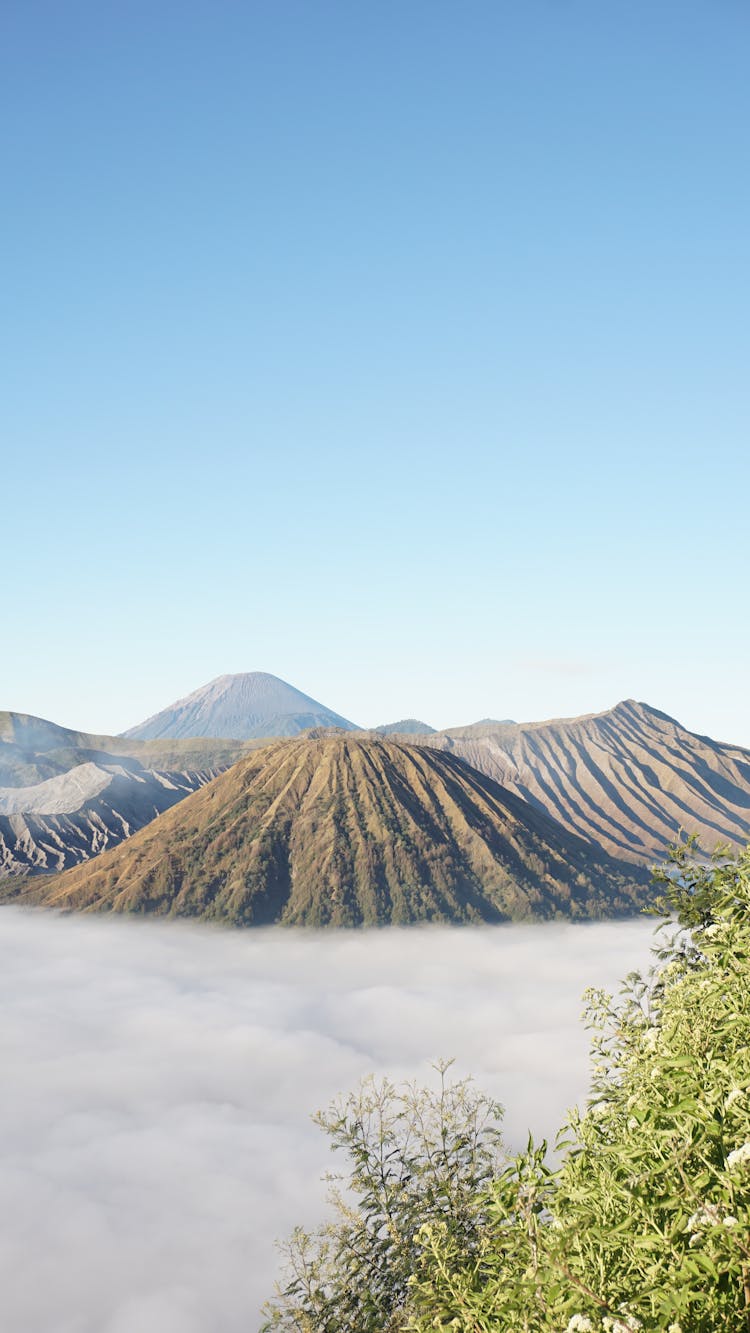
157 1081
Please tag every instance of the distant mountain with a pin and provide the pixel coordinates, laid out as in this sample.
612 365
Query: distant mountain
33 749
346 831
628 779
409 726
66 795
240 707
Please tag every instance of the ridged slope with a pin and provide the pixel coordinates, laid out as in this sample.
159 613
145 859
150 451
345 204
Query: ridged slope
66 795
628 779
347 831
111 805
240 707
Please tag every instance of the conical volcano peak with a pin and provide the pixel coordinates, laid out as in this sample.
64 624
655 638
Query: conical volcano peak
240 707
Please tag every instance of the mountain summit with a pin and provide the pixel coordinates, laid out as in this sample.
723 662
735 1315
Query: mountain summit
628 780
240 707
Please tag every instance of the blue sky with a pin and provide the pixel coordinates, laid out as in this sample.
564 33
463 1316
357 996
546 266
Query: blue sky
397 349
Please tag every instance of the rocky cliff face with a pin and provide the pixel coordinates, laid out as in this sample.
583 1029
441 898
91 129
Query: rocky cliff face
344 830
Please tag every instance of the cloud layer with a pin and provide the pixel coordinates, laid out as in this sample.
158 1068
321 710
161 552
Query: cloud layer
158 1079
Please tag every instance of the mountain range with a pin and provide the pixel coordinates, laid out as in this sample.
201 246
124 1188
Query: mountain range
622 783
350 830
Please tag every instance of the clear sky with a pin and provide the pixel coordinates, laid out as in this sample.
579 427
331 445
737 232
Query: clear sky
399 349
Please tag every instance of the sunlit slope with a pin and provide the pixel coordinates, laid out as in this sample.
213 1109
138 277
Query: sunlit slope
628 779
344 830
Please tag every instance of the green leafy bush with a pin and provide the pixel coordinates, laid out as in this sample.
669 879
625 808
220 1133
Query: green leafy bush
644 1224
415 1156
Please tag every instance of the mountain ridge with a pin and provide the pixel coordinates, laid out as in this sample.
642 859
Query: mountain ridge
350 830
629 779
407 726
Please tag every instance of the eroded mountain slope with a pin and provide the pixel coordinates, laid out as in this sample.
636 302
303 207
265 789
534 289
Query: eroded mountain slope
72 817
628 779
343 830
66 795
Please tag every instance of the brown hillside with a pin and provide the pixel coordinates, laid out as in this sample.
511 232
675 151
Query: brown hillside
345 830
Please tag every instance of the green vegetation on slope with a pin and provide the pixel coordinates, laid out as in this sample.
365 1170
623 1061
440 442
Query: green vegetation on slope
645 1223
349 830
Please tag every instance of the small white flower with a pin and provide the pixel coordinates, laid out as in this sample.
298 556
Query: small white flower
730 1221
734 1096
675 1328
739 1156
632 1123
708 1215
579 1323
651 1039
712 930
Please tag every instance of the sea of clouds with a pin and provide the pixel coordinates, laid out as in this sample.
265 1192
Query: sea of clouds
157 1081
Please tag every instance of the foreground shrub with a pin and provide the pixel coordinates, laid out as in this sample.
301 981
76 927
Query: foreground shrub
415 1156
645 1222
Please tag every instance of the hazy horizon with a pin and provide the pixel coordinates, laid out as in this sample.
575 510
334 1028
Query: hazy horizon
401 716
